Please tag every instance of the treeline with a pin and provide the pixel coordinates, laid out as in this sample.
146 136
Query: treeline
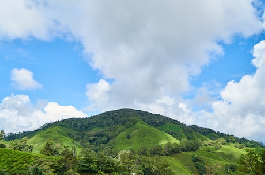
169 148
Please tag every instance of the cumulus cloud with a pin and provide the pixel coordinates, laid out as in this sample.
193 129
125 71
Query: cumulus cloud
150 50
54 109
22 79
17 113
242 107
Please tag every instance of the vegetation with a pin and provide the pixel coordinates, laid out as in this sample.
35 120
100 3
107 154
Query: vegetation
21 145
252 162
18 162
128 141
2 133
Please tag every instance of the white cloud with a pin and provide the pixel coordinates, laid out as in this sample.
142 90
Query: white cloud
25 19
54 109
152 49
22 79
242 107
18 114
97 94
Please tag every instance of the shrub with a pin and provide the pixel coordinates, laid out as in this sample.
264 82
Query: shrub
199 164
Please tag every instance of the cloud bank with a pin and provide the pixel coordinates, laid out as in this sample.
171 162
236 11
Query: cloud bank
242 107
17 113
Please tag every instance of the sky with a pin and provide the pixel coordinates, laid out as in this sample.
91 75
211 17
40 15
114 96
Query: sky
198 61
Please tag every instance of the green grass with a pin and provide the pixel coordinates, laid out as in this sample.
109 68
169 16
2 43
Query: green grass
186 159
57 134
142 135
216 160
176 166
232 150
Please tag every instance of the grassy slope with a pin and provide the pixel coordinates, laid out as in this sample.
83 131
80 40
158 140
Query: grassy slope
57 134
17 162
177 166
142 135
215 160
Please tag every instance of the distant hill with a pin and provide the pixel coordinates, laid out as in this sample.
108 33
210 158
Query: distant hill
184 149
100 130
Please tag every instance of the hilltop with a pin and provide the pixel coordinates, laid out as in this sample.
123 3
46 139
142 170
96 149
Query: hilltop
152 140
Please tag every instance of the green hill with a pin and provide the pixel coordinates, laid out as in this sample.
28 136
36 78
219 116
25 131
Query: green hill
130 141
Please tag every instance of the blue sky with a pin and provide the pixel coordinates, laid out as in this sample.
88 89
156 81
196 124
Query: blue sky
192 63
58 65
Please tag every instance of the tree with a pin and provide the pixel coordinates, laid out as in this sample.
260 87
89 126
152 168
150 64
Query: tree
199 164
155 165
156 150
69 161
34 170
168 149
21 145
87 161
222 141
176 148
49 148
143 151
251 162
2 133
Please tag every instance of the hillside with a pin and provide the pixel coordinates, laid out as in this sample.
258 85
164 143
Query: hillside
136 141
58 134
140 135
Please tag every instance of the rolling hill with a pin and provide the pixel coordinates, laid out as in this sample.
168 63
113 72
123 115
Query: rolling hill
133 140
